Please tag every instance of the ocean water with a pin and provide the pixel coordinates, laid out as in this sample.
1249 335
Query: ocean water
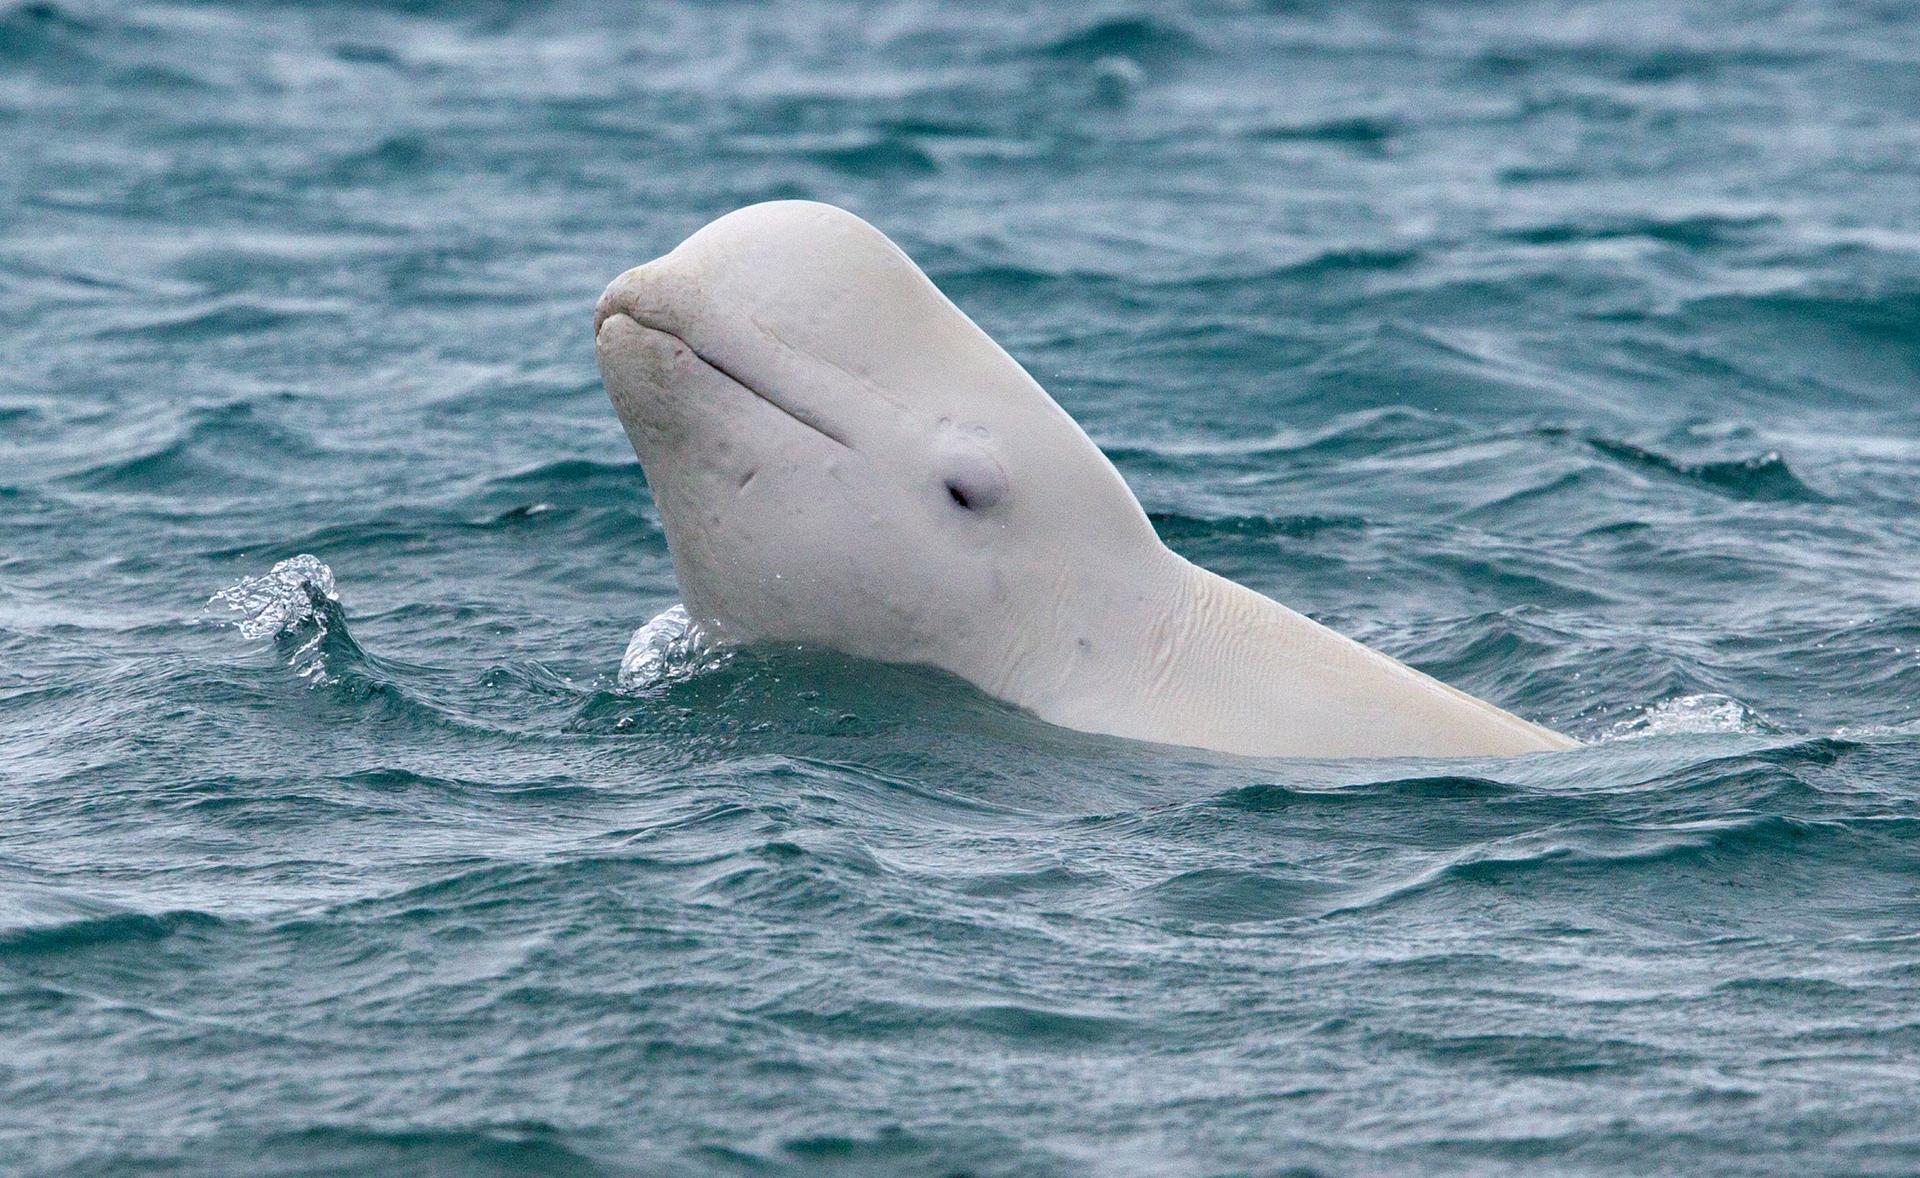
1570 352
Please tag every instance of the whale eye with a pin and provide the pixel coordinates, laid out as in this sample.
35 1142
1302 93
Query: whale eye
973 480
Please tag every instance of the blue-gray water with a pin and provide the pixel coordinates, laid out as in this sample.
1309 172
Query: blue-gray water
1569 352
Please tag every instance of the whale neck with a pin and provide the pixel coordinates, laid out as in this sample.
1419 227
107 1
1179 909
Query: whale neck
1183 656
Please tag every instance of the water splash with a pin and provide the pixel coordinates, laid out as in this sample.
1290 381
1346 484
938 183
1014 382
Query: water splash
292 602
1697 713
670 647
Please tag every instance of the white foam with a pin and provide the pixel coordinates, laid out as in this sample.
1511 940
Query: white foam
1701 712
671 646
280 603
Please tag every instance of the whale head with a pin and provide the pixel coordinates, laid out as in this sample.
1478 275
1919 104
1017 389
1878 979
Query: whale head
840 457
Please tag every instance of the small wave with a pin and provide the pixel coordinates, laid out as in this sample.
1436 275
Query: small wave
1679 64
571 481
1271 796
1218 895
1812 751
365 53
515 1148
1359 131
1617 852
1695 232
1007 1021
1789 987
891 1144
1176 528
619 521
1013 277
1028 883
1862 732
172 467
477 883
1700 713
878 158
395 780
1764 836
1140 38
1765 478
294 601
295 607
1819 334
222 318
156 77
1558 1056
1313 264
782 875
1342 260
393 158
924 127
213 450
107 927
40 31
1363 432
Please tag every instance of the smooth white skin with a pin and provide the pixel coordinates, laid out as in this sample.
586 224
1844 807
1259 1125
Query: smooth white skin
809 409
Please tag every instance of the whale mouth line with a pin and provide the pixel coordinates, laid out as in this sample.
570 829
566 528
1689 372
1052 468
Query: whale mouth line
804 420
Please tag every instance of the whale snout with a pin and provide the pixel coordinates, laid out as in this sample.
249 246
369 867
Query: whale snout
607 306
641 294
676 355
665 294
644 359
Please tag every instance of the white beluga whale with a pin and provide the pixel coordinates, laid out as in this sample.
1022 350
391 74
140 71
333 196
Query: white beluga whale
842 459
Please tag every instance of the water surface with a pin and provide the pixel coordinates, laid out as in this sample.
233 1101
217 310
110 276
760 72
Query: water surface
1569 352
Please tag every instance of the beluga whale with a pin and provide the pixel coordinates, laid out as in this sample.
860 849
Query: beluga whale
842 459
